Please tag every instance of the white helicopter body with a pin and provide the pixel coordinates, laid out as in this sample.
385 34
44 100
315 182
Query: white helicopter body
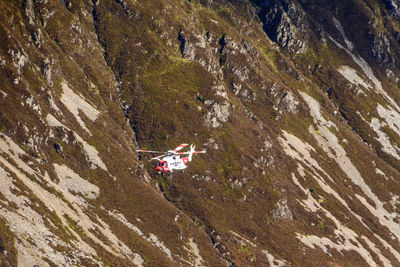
172 159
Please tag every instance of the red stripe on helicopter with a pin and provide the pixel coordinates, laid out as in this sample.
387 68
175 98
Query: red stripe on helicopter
180 147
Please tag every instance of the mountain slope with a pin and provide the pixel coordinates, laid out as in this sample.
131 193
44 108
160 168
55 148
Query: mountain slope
296 103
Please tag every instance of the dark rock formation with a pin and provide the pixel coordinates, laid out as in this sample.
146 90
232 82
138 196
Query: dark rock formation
187 49
285 23
394 8
380 48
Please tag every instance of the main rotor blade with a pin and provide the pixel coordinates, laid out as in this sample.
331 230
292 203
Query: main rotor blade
195 152
180 147
148 151
200 152
157 158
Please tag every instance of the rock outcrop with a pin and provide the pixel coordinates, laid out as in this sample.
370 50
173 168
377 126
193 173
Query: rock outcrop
285 23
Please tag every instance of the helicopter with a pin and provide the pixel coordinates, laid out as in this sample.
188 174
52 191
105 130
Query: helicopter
173 159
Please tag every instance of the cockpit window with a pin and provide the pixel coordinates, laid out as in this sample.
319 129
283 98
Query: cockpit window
162 164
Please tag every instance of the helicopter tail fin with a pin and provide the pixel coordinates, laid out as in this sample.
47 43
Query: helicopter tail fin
191 152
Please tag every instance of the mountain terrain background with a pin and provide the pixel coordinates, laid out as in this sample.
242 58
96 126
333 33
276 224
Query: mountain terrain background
297 103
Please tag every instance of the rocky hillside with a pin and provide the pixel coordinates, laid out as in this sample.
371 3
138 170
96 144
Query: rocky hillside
296 102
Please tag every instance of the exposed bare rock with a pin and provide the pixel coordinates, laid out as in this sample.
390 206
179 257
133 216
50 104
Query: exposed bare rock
290 102
187 49
285 23
46 70
220 90
19 59
37 37
30 13
394 7
390 74
217 113
75 103
282 210
380 48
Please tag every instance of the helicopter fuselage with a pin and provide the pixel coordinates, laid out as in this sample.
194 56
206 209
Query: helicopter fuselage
171 163
172 159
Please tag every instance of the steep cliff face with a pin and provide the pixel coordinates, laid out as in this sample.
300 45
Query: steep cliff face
296 103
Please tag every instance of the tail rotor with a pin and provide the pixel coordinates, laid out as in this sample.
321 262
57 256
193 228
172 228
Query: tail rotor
192 147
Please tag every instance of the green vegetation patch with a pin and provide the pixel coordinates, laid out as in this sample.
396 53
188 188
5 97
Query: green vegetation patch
74 226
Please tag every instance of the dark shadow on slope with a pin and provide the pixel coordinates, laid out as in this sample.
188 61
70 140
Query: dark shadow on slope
263 8
285 22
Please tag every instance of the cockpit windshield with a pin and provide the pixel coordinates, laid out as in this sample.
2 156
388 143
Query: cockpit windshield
162 164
